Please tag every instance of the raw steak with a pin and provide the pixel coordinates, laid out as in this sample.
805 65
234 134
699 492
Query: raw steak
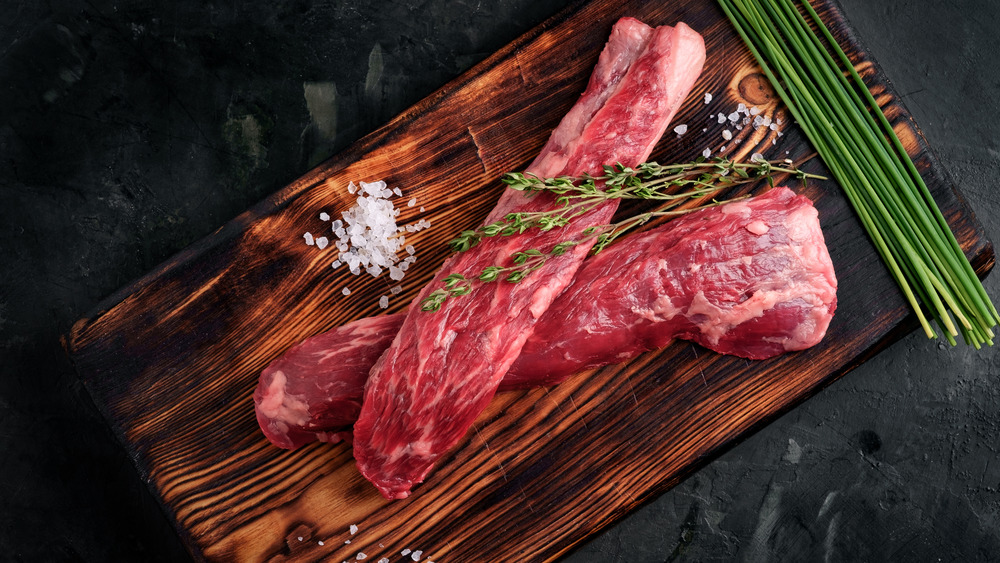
787 268
443 368
751 278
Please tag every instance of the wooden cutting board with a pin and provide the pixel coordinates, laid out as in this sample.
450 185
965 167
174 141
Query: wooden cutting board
173 358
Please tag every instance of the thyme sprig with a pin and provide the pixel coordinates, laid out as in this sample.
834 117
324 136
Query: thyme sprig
650 181
579 195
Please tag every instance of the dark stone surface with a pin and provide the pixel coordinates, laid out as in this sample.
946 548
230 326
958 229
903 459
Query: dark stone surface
129 130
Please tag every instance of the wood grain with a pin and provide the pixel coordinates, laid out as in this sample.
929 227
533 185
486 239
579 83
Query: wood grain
172 359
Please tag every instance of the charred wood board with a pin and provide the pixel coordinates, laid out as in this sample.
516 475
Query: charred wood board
172 359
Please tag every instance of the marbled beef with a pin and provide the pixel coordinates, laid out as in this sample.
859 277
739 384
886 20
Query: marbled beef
443 368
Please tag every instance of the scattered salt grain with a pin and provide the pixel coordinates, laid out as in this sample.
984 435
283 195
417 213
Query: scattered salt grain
405 552
706 153
412 202
321 243
384 560
395 273
346 291
756 157
754 110
727 135
383 302
742 108
324 216
360 556
410 250
354 529
347 541
300 538
398 192
722 118
681 129
396 289
734 117
336 264
309 238
416 555
422 210
320 543
708 98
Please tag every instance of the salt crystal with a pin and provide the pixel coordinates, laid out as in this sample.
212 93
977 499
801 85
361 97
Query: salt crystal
384 560
773 126
722 118
708 98
320 543
412 202
742 108
398 192
421 208
354 529
336 264
347 541
309 238
754 110
324 216
351 188
405 552
706 153
321 242
396 289
300 538
346 291
395 273
756 157
360 556
416 555
410 250
727 135
681 129
734 117
383 302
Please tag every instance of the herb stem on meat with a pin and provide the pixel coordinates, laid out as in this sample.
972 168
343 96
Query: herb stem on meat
830 101
579 195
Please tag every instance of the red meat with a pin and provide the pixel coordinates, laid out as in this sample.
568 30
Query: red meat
442 369
774 291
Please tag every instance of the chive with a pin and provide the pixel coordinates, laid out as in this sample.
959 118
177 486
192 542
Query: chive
816 80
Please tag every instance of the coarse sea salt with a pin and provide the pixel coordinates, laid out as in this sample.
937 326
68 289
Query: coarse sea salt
681 129
367 238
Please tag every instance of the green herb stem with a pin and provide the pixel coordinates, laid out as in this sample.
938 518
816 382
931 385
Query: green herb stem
579 195
839 115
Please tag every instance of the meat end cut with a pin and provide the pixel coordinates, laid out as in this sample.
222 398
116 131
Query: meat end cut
773 291
442 369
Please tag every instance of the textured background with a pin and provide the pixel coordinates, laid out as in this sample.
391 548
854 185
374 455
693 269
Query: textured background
129 130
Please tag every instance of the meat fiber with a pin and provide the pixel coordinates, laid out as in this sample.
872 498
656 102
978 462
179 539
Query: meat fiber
781 262
750 278
442 369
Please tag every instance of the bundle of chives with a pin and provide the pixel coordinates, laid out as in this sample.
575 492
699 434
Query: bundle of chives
856 142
